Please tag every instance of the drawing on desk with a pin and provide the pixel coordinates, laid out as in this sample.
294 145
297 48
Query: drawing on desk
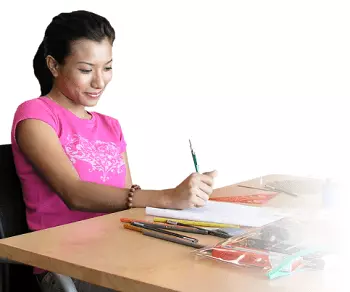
222 212
255 199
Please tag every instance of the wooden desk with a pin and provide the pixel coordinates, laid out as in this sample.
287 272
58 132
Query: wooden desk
100 251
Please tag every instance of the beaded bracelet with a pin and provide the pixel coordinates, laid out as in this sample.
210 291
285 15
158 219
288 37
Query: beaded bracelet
131 195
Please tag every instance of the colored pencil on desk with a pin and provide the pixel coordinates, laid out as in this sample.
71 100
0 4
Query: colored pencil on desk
129 220
196 223
193 230
146 226
162 236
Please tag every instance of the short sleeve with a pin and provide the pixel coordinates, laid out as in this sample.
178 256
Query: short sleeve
33 109
120 136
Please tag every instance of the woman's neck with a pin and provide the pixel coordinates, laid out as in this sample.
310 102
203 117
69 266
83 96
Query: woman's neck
77 109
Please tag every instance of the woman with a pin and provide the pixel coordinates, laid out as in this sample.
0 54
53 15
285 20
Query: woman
73 163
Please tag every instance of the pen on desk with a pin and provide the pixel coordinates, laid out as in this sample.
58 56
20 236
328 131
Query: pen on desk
254 188
218 232
146 226
281 190
183 224
162 236
194 157
167 226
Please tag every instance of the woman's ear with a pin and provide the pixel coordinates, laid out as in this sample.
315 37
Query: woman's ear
52 65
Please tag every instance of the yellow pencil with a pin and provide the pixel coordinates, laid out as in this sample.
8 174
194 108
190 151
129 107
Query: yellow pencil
196 223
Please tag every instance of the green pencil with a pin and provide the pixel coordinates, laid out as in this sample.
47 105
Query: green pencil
194 157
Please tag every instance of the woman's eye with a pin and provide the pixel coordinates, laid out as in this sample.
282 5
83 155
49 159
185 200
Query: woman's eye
108 68
85 71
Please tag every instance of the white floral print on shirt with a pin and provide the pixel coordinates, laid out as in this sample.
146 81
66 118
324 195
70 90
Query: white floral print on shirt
104 157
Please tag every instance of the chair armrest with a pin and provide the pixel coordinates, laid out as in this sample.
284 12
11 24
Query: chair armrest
7 261
66 283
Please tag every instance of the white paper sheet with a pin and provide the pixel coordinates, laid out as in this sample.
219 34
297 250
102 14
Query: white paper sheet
222 212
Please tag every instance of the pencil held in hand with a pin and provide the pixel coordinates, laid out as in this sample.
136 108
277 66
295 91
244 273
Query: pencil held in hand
194 191
194 157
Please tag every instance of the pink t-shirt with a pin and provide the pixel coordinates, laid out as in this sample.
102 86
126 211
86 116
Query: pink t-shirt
93 146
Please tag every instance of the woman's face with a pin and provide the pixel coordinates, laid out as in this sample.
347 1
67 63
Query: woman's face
86 71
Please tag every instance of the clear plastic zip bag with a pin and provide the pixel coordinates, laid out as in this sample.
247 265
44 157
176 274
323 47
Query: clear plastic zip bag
277 249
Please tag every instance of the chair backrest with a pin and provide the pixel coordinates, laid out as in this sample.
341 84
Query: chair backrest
12 222
12 208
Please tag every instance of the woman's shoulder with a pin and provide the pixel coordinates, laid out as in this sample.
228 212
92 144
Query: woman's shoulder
33 104
35 108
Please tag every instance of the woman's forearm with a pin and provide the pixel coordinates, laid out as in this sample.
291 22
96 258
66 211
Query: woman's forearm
87 196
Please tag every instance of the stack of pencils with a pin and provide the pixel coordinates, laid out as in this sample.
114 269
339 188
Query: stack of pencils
165 231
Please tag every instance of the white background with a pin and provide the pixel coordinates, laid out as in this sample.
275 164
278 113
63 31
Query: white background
259 86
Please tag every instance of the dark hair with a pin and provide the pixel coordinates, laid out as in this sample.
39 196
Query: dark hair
63 29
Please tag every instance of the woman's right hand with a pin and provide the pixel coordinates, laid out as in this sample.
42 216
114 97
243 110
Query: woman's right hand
194 191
